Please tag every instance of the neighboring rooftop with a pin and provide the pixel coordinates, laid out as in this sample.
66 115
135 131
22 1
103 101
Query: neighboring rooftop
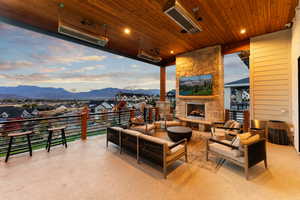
241 82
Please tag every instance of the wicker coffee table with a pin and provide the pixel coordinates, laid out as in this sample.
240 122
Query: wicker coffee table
177 133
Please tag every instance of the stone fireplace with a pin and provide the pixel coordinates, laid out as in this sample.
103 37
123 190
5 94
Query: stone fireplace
199 62
195 110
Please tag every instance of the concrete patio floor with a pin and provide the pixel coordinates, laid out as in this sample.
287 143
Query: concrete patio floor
86 170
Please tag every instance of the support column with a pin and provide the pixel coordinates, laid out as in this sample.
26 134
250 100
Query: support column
162 83
84 120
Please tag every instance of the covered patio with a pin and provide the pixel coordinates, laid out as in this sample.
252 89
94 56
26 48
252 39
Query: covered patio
86 170
194 36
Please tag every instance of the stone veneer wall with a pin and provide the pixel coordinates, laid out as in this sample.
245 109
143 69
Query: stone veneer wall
203 61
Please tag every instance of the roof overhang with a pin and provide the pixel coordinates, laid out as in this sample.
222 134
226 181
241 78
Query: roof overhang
151 29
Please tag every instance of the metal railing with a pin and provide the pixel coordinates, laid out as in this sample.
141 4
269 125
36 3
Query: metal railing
96 124
237 115
239 106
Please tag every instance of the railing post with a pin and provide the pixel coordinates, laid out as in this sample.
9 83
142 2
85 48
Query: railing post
227 117
246 120
156 113
145 114
84 118
131 113
150 115
119 117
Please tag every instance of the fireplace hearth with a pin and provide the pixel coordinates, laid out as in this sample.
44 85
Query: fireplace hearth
195 110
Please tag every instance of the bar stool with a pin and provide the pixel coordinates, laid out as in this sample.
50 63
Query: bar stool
63 136
11 137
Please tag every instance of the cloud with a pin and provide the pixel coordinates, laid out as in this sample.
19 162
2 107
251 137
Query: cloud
134 66
79 59
87 68
8 27
52 69
69 59
234 68
118 57
9 65
34 77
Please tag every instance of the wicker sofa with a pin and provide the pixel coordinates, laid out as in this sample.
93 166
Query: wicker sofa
156 150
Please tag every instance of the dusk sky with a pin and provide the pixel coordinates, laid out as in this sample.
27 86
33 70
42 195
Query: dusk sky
30 58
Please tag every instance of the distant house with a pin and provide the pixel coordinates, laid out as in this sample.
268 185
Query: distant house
129 105
236 94
100 108
134 98
35 112
62 107
4 115
26 114
9 112
124 98
45 107
106 105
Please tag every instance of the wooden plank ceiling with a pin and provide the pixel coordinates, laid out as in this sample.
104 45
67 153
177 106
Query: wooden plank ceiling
222 21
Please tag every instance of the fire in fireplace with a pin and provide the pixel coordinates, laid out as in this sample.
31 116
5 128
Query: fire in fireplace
195 110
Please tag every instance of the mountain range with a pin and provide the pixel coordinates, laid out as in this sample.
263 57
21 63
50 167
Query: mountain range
34 92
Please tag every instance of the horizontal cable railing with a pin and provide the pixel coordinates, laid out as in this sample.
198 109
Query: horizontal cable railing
96 124
239 106
236 115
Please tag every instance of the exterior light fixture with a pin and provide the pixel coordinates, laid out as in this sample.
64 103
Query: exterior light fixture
127 31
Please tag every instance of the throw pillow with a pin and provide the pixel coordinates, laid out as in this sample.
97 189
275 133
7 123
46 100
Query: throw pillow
233 124
228 123
244 136
250 139
236 125
236 141
137 120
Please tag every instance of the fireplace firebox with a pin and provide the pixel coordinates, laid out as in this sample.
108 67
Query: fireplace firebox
195 110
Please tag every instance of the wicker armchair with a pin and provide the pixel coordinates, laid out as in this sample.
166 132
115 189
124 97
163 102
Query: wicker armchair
228 130
245 155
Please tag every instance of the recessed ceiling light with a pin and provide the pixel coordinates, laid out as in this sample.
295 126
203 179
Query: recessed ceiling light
127 31
243 31
172 52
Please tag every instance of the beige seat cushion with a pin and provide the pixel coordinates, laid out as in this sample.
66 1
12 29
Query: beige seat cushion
226 151
157 124
156 140
202 134
173 123
174 152
228 123
131 132
143 128
162 123
219 132
116 128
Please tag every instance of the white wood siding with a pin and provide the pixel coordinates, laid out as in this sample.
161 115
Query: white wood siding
270 76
